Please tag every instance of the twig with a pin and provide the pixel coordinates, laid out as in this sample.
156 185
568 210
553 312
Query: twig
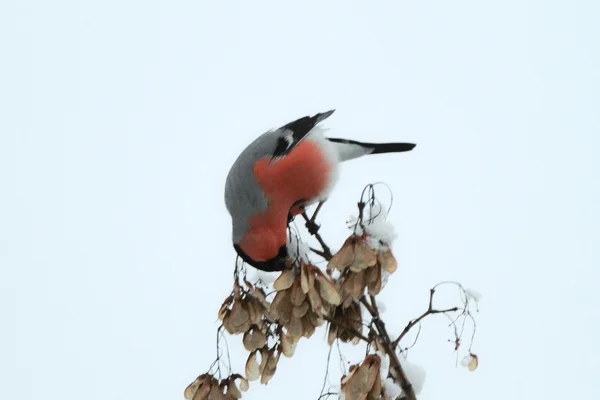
326 395
326 372
318 252
326 254
429 311
314 216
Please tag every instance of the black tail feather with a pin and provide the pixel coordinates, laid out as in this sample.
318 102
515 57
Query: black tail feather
379 148
390 147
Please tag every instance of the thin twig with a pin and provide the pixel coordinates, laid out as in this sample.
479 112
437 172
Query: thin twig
314 216
326 372
430 311
318 252
326 251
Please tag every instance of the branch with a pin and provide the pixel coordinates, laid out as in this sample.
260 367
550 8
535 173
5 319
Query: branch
430 311
406 386
313 230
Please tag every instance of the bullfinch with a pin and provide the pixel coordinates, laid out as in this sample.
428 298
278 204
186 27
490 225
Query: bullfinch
279 174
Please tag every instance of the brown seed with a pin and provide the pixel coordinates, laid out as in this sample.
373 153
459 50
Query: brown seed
232 389
225 307
254 339
264 356
193 387
376 390
255 309
364 256
327 290
243 384
301 310
281 307
315 300
359 285
216 393
260 295
374 280
252 367
356 385
308 328
288 345
344 258
285 280
387 261
239 319
305 271
270 366
294 327
372 363
297 296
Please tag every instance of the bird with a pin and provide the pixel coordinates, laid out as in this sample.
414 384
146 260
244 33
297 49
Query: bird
277 176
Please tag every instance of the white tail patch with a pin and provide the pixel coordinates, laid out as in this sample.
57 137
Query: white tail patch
332 156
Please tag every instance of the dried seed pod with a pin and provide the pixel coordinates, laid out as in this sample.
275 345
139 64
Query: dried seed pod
470 361
346 322
372 362
238 320
224 310
387 261
239 382
305 272
259 294
374 282
243 384
252 367
216 393
281 307
359 285
364 256
270 366
376 390
327 289
315 300
301 310
344 258
297 296
308 328
355 387
294 327
233 391
288 345
264 356
315 319
285 280
254 339
255 309
202 382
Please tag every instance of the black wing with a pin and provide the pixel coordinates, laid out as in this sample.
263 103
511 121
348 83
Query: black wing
297 131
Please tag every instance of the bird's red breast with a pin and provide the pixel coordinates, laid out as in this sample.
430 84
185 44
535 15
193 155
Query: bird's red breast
302 174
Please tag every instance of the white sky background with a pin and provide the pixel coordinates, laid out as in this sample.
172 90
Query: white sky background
119 122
